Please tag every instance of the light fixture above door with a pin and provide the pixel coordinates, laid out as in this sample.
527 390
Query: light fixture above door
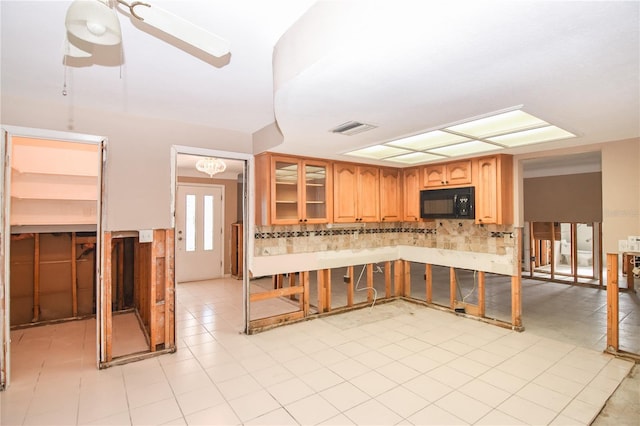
211 166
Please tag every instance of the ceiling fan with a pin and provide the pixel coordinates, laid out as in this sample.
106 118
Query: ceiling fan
96 22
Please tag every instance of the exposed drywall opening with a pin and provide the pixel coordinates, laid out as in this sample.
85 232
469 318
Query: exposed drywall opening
52 187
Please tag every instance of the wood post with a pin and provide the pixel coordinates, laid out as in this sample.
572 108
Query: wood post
516 281
350 286
304 279
170 294
74 277
387 279
428 273
398 276
106 301
612 302
321 292
370 282
452 287
407 279
36 278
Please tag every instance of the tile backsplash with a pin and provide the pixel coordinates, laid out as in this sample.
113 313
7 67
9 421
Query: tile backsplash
461 235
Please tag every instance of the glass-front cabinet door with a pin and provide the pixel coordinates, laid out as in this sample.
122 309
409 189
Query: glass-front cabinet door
315 193
299 191
285 192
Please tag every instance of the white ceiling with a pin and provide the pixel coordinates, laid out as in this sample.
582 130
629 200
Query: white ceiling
404 66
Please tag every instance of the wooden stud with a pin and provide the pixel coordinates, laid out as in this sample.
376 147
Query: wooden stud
407 279
612 302
533 256
292 283
36 278
279 292
170 294
369 282
120 280
574 251
327 288
398 275
320 291
452 287
304 278
630 259
276 319
481 295
387 279
107 314
428 272
516 281
350 286
74 277
153 317
553 249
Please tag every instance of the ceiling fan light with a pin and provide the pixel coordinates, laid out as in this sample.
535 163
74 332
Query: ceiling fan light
94 22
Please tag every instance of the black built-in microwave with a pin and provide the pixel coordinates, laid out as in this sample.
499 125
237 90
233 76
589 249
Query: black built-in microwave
452 203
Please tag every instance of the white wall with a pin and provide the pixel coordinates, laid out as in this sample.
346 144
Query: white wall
138 175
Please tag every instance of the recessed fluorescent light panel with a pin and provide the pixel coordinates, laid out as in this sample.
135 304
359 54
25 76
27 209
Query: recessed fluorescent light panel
424 141
492 133
465 148
512 121
414 158
378 152
542 134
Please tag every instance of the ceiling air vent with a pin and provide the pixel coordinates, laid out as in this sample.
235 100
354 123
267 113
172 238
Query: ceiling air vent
352 127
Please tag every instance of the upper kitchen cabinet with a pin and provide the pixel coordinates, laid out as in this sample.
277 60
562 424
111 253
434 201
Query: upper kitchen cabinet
447 174
390 195
411 178
494 189
291 190
356 193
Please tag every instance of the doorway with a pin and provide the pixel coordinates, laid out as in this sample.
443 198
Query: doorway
51 219
209 212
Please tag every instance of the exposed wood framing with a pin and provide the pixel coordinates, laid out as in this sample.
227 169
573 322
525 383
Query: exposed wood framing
350 286
74 276
398 276
107 314
516 281
428 274
36 278
452 288
612 302
276 319
279 292
304 280
481 295
387 279
407 279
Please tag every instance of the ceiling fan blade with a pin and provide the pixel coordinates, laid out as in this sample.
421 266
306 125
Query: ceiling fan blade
181 29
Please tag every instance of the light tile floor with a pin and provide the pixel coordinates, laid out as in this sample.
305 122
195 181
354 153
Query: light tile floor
397 363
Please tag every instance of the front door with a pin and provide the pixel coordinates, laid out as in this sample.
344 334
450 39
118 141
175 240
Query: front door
199 232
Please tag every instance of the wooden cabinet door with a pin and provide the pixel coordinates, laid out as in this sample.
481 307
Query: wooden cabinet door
486 191
435 175
411 195
317 199
390 195
458 173
368 194
286 208
345 190
494 190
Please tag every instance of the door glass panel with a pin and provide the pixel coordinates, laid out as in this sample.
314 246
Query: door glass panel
315 186
190 222
208 222
286 190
